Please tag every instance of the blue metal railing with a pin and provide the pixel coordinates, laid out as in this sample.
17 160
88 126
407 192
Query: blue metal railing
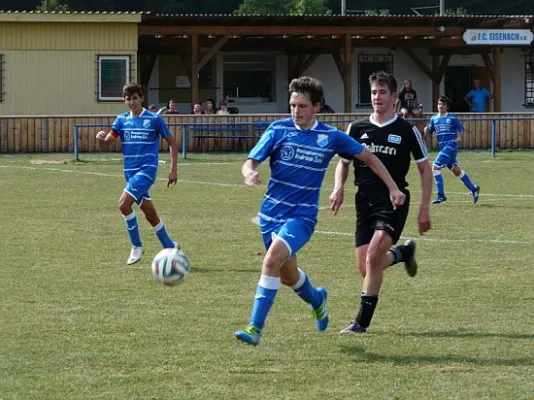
188 127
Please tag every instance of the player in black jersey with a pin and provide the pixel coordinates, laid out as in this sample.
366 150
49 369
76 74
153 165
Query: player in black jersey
378 225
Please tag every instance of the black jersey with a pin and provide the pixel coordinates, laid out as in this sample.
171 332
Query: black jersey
393 142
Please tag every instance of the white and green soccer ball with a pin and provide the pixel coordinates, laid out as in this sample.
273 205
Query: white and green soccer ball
170 267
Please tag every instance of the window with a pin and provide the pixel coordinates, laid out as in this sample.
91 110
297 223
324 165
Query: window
113 73
367 64
529 80
249 76
2 78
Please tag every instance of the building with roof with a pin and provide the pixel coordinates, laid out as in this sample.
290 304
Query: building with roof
76 63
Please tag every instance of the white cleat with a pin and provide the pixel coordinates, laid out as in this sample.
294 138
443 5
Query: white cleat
135 254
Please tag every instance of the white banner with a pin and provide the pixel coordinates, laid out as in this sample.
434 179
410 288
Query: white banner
498 37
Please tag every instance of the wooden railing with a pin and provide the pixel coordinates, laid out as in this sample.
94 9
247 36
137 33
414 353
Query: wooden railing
56 133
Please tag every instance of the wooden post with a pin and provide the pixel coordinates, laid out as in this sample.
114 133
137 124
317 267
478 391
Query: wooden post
195 93
435 83
347 81
497 68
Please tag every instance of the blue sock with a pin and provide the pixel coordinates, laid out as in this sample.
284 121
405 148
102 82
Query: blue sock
163 236
265 293
133 229
304 289
467 181
440 186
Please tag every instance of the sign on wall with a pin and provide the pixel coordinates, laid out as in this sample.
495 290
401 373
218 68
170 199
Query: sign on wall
498 37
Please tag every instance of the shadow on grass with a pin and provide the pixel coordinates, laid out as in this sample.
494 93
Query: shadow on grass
361 355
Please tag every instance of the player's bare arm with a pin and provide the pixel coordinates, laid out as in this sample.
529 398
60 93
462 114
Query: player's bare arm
173 150
338 194
425 170
250 173
397 197
105 140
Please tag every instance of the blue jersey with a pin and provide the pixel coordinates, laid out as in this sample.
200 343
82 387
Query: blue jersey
478 97
140 138
446 129
298 160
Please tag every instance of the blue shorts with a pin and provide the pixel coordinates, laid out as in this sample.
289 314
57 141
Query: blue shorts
137 186
295 233
447 157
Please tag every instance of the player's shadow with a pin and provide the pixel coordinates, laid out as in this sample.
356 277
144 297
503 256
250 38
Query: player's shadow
359 355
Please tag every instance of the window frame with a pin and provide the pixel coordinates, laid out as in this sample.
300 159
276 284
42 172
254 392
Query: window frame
529 80
365 58
103 57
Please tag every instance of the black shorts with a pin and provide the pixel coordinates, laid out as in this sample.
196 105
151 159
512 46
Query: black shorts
375 212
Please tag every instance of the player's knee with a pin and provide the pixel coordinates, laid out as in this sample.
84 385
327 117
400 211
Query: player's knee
124 206
374 260
436 171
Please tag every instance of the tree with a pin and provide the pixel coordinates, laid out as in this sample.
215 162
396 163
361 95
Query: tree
288 7
301 7
52 5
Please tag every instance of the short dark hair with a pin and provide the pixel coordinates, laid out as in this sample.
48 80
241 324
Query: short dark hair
307 85
197 102
132 88
384 78
445 99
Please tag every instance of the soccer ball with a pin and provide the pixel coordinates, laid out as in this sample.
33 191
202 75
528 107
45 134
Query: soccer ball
170 267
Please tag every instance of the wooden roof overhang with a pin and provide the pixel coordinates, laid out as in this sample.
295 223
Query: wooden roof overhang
197 38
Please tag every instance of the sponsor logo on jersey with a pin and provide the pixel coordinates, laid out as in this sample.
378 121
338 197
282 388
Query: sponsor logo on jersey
322 140
364 136
373 148
287 153
126 135
394 139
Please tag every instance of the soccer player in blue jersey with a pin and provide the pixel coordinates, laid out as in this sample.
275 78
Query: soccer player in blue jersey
300 149
448 131
139 131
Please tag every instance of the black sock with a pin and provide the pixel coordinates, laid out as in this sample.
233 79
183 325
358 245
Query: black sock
401 253
367 309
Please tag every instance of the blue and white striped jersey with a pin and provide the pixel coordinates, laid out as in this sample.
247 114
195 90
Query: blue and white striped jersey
446 129
298 160
140 138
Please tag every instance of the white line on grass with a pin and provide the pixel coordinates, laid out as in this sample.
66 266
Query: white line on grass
232 184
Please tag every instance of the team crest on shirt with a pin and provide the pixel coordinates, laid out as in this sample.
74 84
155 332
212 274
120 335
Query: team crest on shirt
396 139
146 123
322 140
287 153
448 121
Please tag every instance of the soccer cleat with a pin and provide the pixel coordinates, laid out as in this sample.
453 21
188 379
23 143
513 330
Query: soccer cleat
475 193
250 335
440 198
135 254
319 313
353 329
410 265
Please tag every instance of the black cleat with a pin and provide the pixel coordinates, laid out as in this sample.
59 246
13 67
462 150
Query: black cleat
410 264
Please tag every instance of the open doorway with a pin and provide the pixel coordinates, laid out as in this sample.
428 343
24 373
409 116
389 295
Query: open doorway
459 82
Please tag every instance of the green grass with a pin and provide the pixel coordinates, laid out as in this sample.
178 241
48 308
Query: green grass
77 323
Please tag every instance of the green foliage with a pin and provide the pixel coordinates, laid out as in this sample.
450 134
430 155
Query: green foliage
291 7
52 5
376 13
301 7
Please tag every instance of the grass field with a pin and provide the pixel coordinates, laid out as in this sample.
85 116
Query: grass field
77 323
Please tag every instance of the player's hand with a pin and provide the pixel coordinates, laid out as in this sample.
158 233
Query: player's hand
101 136
397 198
424 220
173 178
252 178
425 130
336 200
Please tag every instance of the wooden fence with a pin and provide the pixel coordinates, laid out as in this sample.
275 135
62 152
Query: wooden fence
56 133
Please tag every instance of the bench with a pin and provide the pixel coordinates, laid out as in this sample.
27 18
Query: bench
236 134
